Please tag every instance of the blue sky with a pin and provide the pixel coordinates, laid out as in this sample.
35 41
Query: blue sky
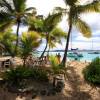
45 6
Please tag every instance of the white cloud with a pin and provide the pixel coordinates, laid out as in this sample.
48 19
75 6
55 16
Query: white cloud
21 29
80 45
45 6
88 45
81 38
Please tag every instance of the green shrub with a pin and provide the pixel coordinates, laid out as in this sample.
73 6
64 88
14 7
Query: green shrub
56 68
92 72
16 76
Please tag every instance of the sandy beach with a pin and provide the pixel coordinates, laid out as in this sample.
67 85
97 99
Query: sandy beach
75 87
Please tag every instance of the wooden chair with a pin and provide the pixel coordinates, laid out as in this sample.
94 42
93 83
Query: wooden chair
7 63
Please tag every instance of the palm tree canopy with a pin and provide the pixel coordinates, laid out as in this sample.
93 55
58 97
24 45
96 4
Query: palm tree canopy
44 24
75 11
91 7
35 24
48 25
7 39
52 21
55 37
12 11
70 2
29 41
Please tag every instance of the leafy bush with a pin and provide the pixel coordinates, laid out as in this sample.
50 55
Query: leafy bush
92 72
55 65
16 76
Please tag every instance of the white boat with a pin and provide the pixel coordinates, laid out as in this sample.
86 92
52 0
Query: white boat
74 54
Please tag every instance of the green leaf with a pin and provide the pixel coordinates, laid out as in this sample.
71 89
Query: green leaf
82 27
91 7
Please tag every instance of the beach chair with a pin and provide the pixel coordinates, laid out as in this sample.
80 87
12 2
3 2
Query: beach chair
7 63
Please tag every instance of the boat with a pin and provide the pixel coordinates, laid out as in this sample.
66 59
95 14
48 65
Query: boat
95 52
71 55
74 49
74 54
78 54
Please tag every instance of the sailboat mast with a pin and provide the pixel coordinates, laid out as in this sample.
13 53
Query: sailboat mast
92 44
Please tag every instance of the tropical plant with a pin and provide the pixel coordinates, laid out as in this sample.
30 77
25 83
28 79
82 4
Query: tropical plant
55 37
29 42
7 39
48 28
56 68
14 12
92 72
75 9
15 77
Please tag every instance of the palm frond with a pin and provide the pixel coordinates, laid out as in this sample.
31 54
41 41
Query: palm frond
51 44
57 10
30 9
57 32
5 26
30 41
92 7
19 5
7 39
52 20
7 4
82 27
35 24
70 2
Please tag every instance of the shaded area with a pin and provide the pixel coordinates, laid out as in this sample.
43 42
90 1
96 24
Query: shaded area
74 81
75 89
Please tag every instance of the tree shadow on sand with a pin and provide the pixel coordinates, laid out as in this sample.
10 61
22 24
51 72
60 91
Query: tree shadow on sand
74 81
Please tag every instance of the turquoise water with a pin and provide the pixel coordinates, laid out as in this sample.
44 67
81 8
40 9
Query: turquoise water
86 56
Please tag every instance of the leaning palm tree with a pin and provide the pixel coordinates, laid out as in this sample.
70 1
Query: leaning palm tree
47 27
74 11
55 38
14 12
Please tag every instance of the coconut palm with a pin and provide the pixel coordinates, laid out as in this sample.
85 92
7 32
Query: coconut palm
48 29
14 12
7 40
74 11
55 37
29 42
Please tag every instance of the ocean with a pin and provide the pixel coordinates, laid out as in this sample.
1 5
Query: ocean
86 56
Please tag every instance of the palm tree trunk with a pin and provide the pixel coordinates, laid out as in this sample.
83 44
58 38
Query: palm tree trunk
45 46
24 62
48 50
54 81
44 50
17 33
67 44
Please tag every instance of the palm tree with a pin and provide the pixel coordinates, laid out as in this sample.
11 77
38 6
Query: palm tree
14 12
29 42
74 11
7 40
48 29
55 37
